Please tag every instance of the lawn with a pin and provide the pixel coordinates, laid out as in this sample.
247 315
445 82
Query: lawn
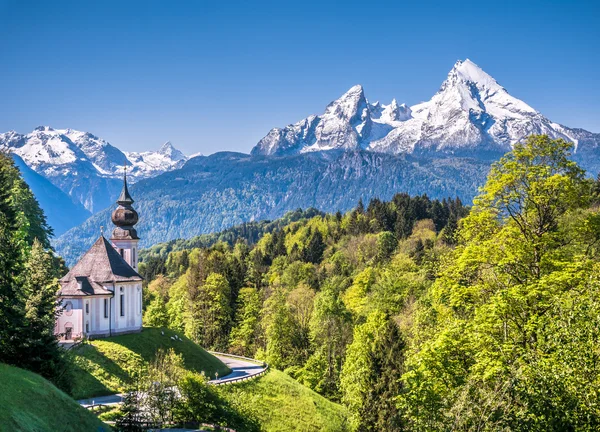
107 366
278 403
29 403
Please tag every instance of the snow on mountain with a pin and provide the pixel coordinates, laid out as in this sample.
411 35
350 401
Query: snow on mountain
84 166
149 163
471 114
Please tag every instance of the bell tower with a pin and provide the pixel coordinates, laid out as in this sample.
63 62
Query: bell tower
124 236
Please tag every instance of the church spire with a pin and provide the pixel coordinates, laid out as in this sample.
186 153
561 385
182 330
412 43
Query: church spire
125 216
125 198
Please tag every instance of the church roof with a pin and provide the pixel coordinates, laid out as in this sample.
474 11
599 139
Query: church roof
100 264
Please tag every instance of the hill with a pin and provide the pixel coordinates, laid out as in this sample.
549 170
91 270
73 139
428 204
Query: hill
213 193
108 366
30 403
297 407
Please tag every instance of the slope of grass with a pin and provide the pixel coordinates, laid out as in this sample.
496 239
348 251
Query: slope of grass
30 403
278 403
107 366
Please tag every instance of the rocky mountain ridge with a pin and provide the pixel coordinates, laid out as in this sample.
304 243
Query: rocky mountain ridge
470 115
85 167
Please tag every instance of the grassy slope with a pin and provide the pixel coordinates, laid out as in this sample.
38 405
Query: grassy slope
279 403
108 366
30 403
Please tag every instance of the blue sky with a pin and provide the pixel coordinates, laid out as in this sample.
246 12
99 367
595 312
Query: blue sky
213 76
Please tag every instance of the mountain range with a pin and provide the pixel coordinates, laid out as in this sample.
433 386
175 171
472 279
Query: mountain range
470 115
355 149
86 168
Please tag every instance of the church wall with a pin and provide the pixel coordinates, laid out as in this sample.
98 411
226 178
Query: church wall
132 321
70 316
99 325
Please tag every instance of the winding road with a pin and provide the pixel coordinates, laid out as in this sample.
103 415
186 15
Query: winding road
241 368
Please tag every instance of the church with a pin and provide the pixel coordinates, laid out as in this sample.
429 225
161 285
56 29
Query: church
102 294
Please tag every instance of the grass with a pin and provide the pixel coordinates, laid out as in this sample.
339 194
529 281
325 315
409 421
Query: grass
278 403
108 366
29 403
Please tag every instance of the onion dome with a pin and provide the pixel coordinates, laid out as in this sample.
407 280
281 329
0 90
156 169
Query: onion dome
125 216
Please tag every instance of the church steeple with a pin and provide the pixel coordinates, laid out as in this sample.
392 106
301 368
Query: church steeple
125 216
125 198
124 236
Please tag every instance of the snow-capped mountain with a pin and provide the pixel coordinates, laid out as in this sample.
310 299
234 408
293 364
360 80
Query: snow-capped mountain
471 114
86 167
148 164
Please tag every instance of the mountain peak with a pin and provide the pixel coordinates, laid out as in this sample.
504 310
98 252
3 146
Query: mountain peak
349 106
44 129
167 149
469 72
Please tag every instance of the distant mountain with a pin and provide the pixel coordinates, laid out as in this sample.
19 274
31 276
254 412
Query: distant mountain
211 193
86 167
62 213
442 147
471 115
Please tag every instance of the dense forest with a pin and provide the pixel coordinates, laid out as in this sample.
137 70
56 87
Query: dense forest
417 314
29 272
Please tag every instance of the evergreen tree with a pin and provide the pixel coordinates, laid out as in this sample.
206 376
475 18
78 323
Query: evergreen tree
11 265
313 252
44 355
130 419
379 411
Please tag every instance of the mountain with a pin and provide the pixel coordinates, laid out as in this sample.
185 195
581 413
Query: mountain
85 167
62 213
211 193
470 115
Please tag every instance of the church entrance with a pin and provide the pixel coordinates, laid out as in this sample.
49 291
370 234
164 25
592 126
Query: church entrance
68 332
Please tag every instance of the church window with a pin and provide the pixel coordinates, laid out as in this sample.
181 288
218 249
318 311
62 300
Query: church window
87 308
87 327
105 308
133 258
122 253
68 308
122 301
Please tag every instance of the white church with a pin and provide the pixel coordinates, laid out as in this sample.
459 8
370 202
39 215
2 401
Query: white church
102 294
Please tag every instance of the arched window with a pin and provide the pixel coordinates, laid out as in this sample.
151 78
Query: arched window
69 309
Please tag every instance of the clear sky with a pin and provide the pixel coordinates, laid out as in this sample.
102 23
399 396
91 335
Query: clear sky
213 76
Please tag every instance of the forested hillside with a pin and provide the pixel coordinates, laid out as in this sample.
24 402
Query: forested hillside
418 314
216 192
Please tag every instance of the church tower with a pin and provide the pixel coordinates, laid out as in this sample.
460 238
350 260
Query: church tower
124 236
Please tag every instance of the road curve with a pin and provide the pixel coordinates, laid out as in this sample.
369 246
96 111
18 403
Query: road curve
240 368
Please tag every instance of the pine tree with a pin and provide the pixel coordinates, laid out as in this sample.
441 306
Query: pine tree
379 411
43 354
11 264
313 252
449 233
130 420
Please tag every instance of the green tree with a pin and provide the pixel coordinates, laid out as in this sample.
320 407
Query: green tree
244 334
379 411
355 380
41 310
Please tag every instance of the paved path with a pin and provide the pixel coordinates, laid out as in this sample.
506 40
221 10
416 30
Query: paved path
239 369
